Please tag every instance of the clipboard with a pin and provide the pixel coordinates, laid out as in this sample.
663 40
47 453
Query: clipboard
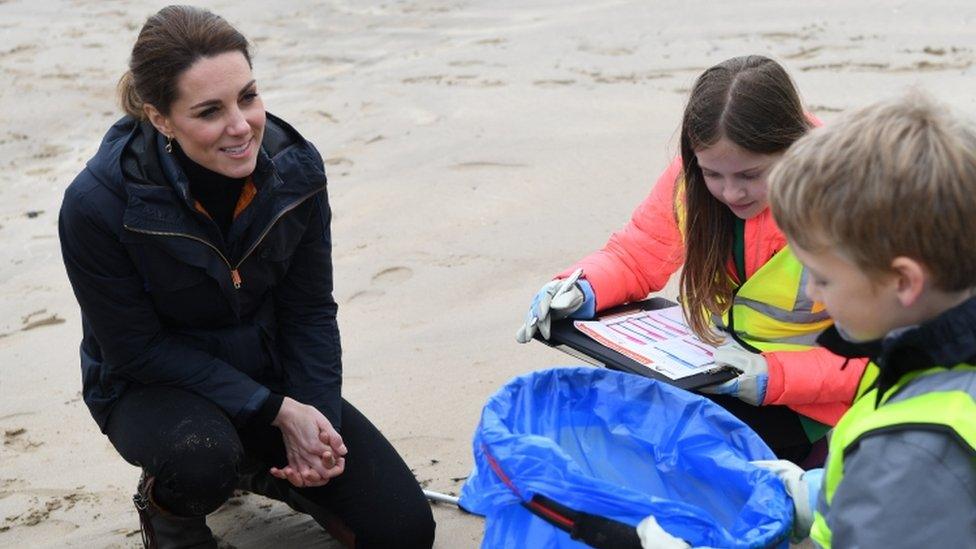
565 337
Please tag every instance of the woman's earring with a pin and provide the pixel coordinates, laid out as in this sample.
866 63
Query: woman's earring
169 144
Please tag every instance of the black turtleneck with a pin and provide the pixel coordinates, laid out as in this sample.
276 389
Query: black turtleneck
218 194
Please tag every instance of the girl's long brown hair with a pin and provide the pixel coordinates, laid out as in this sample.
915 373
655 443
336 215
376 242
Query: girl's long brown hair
752 102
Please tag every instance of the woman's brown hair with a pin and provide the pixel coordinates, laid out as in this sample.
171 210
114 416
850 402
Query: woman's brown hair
752 102
168 44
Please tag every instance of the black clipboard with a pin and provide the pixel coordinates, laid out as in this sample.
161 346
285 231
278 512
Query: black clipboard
565 337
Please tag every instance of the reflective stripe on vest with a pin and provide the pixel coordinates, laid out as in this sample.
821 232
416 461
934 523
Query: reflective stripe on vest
949 410
771 310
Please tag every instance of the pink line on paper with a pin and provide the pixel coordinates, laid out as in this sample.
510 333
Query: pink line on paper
611 345
651 333
658 325
694 343
672 327
625 334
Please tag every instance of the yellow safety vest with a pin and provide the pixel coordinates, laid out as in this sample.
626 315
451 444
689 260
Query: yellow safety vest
771 310
946 409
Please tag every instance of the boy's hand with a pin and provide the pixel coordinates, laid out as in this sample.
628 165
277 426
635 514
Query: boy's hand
652 536
803 487
750 385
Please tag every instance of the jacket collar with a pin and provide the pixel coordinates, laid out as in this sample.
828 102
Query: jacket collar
947 340
143 159
763 240
158 192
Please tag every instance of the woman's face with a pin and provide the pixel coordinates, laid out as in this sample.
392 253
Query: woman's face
218 118
736 177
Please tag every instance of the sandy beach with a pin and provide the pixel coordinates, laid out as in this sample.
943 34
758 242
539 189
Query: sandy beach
474 148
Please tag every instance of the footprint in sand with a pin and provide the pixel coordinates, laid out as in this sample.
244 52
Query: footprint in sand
338 161
16 439
553 83
847 65
365 295
13 137
392 276
824 108
39 171
805 53
380 282
20 48
45 509
38 319
49 151
461 80
480 164
328 116
607 51
466 63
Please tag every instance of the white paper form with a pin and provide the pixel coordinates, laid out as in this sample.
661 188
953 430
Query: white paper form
659 339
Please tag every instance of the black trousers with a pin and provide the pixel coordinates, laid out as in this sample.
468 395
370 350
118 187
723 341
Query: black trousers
778 426
198 458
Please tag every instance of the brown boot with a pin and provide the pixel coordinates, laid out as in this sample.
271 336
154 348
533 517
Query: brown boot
163 530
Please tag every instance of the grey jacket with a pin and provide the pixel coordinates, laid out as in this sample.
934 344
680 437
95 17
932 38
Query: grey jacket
913 487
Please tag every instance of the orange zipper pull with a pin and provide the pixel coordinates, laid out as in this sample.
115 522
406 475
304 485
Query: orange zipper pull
235 277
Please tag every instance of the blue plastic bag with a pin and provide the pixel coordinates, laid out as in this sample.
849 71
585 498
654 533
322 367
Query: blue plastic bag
623 447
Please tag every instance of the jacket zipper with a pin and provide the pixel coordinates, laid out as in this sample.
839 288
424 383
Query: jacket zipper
235 275
233 272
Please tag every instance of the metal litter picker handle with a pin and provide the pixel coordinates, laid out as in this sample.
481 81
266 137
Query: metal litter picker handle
440 498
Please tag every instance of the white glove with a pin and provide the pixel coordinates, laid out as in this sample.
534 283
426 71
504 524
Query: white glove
556 300
652 536
750 385
802 486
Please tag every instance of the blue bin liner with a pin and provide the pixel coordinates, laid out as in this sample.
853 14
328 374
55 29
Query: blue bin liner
624 447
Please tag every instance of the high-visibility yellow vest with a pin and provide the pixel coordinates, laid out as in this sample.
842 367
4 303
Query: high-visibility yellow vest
771 310
952 410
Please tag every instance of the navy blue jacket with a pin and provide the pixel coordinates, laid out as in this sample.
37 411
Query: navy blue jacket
154 278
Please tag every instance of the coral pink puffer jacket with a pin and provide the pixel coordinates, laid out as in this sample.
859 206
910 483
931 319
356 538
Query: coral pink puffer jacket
641 257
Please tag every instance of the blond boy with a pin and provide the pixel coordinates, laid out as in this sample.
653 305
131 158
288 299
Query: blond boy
881 209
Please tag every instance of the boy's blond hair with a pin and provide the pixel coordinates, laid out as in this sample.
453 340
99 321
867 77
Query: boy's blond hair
897 178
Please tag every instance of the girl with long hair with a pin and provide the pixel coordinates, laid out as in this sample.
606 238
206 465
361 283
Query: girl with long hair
708 216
